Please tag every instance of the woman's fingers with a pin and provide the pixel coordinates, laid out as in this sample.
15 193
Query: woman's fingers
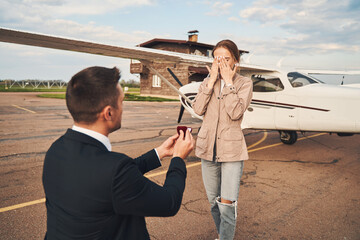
227 73
214 70
207 67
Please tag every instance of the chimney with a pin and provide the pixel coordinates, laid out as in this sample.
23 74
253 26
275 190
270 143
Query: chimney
193 36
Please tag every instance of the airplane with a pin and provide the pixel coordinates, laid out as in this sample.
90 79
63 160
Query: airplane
285 100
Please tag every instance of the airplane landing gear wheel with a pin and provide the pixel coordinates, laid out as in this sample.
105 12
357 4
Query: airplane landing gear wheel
288 137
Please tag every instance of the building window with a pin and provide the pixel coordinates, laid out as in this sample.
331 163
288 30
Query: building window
156 81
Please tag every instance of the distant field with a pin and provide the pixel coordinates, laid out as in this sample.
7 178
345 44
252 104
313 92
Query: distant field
128 97
133 94
133 90
31 89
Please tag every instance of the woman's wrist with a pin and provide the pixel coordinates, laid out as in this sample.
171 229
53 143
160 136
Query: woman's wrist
228 82
211 83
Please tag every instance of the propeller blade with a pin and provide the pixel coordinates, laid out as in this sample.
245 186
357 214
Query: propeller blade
181 113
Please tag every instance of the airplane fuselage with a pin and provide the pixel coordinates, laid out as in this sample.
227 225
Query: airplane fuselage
295 102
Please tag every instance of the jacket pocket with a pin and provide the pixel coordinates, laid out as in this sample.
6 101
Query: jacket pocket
232 142
202 141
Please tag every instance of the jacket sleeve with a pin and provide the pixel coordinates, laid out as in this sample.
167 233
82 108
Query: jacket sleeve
147 161
237 99
202 98
134 194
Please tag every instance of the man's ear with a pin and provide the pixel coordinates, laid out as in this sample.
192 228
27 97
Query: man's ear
107 113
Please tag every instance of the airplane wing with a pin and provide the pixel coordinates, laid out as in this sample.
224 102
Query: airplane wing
328 72
140 53
258 69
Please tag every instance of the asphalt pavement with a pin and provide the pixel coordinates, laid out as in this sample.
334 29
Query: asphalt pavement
309 190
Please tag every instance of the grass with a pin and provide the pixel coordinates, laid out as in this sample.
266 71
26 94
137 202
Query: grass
133 94
137 97
52 95
128 97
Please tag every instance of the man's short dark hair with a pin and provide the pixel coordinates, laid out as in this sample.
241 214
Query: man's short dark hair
90 90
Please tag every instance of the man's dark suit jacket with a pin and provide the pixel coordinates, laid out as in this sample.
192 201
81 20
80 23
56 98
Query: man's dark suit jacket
92 193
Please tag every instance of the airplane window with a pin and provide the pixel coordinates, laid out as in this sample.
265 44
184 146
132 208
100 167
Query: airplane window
263 83
298 79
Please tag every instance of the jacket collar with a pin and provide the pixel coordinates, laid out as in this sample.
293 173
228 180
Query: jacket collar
78 136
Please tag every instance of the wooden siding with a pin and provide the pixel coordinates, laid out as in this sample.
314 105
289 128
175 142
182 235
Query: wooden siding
181 71
146 79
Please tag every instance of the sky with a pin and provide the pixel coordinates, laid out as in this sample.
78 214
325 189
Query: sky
316 34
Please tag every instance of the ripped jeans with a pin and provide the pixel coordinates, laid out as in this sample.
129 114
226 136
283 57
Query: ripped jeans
222 180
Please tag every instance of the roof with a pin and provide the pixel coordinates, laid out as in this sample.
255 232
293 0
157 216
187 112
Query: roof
193 32
151 43
155 41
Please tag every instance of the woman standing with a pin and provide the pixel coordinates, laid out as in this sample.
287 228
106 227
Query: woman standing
223 98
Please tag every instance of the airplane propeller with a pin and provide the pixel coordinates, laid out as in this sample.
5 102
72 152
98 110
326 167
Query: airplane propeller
181 113
181 106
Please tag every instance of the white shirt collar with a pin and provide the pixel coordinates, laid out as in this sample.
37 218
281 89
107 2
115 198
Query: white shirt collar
98 136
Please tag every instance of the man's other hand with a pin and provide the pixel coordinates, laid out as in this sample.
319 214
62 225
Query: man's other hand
166 149
184 145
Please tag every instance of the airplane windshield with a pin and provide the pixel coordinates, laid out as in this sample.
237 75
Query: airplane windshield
299 80
266 83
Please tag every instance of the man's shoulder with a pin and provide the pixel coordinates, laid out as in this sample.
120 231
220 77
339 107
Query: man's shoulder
90 149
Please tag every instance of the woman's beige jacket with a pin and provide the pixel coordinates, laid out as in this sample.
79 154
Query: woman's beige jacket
223 114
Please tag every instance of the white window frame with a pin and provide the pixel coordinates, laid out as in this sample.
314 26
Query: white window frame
156 81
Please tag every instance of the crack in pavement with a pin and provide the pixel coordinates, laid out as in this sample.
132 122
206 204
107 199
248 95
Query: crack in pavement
266 184
21 154
194 211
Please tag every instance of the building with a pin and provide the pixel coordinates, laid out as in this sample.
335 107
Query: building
152 85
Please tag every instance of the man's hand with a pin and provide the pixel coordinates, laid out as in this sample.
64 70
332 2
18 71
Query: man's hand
184 145
166 149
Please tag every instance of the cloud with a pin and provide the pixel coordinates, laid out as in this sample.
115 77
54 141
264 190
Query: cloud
35 15
324 25
92 32
68 7
295 45
263 15
234 19
219 8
